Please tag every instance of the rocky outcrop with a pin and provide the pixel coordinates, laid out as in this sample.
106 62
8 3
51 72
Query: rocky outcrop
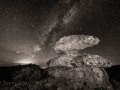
77 70
82 78
85 59
75 42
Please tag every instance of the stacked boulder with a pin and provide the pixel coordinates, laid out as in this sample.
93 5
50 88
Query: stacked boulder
77 70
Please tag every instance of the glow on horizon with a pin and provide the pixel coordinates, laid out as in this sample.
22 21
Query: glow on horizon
24 61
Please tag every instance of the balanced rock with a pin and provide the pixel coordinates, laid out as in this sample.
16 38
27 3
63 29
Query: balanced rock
75 42
78 70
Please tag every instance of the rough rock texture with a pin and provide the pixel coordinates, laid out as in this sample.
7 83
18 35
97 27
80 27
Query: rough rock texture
85 59
76 70
75 42
84 77
91 60
60 61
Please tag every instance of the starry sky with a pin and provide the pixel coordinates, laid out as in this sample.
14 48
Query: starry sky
30 28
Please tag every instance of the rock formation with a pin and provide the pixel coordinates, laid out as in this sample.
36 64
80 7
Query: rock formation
76 70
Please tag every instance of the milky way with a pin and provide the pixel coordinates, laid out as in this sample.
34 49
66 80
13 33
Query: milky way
30 28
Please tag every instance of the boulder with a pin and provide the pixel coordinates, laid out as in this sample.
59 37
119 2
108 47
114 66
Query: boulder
91 60
75 42
85 78
60 61
63 60
78 61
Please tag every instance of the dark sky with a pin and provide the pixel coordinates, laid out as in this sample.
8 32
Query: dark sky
30 28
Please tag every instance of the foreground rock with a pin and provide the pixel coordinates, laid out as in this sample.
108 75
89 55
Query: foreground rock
76 70
82 78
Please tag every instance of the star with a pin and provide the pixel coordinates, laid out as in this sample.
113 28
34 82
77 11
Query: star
18 52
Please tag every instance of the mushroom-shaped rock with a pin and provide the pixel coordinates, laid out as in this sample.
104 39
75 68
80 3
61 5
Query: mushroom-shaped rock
75 42
77 70
91 60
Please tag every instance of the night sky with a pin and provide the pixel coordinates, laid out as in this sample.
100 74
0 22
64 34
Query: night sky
30 28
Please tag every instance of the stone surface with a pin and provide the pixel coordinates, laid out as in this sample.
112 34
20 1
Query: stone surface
60 61
73 54
75 42
86 78
96 60
91 60
78 61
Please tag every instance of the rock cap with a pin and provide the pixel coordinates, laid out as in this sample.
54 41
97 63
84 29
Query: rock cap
75 43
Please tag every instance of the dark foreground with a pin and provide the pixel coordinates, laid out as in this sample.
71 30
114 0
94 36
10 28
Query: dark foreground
32 77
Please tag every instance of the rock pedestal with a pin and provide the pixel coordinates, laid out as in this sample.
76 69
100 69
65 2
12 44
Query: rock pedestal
79 71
